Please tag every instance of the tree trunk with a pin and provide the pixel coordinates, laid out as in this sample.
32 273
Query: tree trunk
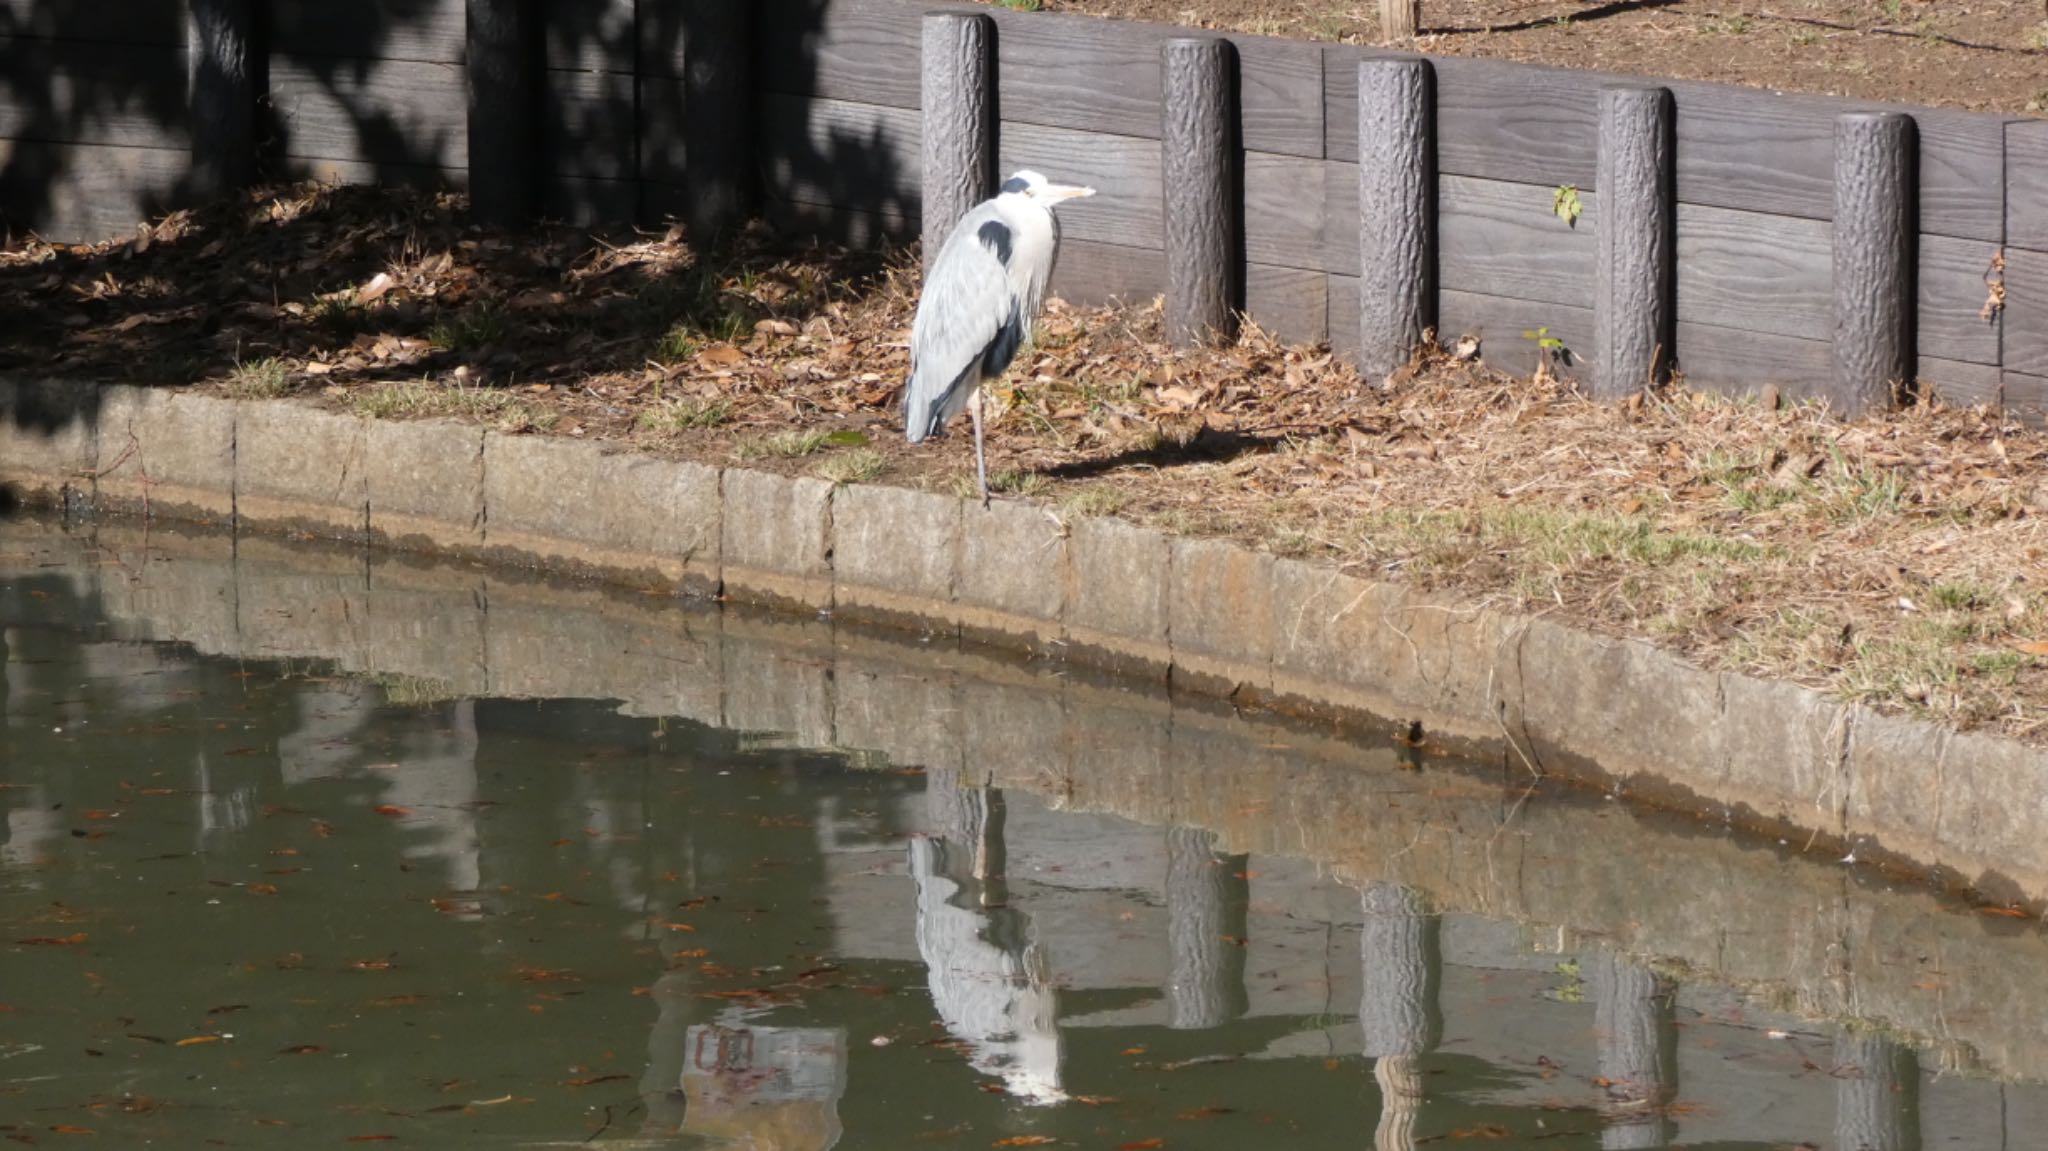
1400 19
1206 903
1637 1028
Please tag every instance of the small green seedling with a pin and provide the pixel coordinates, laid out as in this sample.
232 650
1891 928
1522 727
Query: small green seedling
1564 202
1550 351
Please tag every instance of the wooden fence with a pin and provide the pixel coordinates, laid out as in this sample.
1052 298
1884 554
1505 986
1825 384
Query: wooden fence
1819 245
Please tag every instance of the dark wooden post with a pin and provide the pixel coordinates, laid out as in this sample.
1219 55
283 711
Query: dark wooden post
718 116
1635 1020
1197 147
1396 212
504 110
1207 899
1402 968
959 121
222 65
1874 257
1635 315
1877 1093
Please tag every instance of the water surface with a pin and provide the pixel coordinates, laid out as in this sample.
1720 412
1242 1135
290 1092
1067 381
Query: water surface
263 882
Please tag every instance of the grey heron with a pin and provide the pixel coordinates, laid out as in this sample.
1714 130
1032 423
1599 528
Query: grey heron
979 302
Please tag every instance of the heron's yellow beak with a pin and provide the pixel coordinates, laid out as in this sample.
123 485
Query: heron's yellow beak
1057 192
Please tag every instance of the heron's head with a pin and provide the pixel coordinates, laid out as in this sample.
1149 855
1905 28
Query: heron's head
1038 190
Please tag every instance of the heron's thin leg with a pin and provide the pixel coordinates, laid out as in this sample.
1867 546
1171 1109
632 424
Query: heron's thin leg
980 458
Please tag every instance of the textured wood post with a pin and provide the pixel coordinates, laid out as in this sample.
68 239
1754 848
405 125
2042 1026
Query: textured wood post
1874 256
718 115
1207 899
959 121
1402 966
1877 1093
1636 1023
222 87
1199 166
1635 314
1396 212
1400 19
504 110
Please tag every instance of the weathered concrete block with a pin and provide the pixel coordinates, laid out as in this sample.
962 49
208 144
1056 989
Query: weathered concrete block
1626 707
1894 792
302 602
1994 803
895 555
1012 585
1782 749
300 469
166 454
544 641
1119 745
778 676
777 539
1220 618
1117 597
1014 731
577 507
170 584
426 484
47 442
427 621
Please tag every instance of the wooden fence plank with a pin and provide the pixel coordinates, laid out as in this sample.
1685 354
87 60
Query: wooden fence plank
1291 303
587 125
2025 396
1770 152
1738 148
98 21
2026 311
1952 291
1343 305
864 157
396 112
1090 273
82 93
1286 211
2026 184
326 171
1740 361
417 30
1123 169
72 193
865 51
1504 240
587 202
1747 270
1958 384
590 35
794 218
1500 323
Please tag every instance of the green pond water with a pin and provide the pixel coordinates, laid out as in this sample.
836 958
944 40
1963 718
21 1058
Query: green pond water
258 894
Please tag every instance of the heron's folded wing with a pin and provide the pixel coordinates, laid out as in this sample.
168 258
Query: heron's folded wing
967 305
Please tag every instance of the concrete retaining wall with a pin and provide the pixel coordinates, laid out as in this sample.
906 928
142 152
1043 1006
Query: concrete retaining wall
1207 617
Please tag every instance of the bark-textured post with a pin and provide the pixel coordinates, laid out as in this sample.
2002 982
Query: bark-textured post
1635 314
1397 1009
959 121
1199 165
718 115
1874 256
1877 1094
504 110
1400 19
1396 212
1207 899
222 85
1636 1023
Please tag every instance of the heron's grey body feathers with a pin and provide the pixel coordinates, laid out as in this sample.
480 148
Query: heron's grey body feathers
979 302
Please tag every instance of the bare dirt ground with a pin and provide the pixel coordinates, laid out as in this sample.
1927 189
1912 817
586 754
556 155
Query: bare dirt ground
1989 55
1902 561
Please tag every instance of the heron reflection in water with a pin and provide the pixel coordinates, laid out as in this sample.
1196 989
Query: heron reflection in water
989 976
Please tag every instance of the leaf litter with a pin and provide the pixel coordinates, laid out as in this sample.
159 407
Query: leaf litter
1897 561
